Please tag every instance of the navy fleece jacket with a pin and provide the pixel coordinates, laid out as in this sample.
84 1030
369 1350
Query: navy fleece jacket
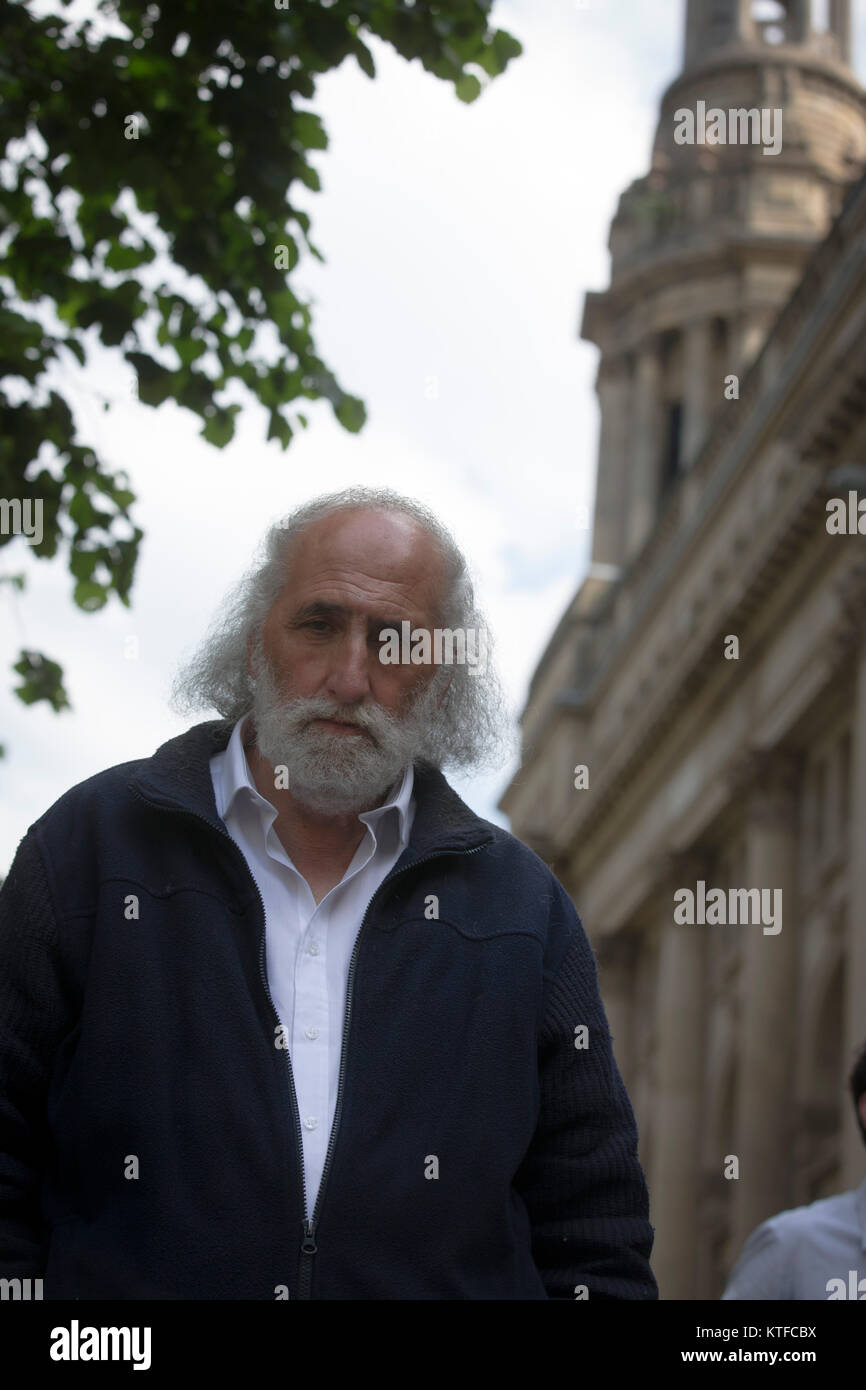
149 1133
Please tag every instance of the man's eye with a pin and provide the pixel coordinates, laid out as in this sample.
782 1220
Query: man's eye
319 624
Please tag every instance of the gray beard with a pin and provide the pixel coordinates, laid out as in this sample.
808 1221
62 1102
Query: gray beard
338 774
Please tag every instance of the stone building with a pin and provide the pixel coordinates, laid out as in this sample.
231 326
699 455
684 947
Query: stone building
710 673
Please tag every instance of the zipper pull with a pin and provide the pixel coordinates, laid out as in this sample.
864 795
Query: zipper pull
308 1244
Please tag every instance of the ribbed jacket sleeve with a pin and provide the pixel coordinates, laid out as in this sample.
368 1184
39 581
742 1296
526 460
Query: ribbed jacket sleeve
581 1179
32 1021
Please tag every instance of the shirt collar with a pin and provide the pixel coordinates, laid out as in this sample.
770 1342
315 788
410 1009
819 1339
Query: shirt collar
232 778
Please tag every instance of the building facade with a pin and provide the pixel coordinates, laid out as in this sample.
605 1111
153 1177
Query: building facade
698 719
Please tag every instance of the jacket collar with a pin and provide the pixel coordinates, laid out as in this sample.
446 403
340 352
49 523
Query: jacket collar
178 776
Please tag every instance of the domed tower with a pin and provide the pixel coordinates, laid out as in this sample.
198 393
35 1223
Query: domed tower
757 142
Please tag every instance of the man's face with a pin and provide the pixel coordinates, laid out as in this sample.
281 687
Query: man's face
342 722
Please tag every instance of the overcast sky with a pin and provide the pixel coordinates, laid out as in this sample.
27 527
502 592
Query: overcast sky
459 243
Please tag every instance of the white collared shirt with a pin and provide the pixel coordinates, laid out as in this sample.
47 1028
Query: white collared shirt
309 947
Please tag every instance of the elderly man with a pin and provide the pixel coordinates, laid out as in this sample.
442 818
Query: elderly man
280 1017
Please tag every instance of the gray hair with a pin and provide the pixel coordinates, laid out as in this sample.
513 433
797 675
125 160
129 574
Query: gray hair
470 725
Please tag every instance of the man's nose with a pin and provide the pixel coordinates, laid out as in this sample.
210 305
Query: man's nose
349 677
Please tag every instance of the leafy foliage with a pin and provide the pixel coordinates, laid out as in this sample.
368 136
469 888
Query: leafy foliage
173 136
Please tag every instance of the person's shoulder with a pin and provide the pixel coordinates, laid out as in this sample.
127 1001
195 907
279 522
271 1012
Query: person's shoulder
78 800
510 883
101 791
521 888
509 846
782 1255
795 1222
826 1211
60 841
514 856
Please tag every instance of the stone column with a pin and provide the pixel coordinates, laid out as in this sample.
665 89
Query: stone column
840 25
612 486
767 1028
798 27
748 335
646 448
706 28
674 1180
745 22
692 46
698 386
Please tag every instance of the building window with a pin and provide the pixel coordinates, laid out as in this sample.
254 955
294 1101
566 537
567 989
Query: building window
770 19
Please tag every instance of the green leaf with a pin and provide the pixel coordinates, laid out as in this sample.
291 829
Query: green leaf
365 59
128 257
467 87
89 595
220 427
307 129
351 413
82 563
155 382
279 428
43 680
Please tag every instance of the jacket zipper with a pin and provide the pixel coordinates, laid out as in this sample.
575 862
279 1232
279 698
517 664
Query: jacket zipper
308 1240
308 1245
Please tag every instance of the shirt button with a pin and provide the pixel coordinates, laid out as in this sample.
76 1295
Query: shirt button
312 1032
313 948
310 1122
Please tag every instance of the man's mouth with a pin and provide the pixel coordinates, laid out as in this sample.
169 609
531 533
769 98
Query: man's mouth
340 726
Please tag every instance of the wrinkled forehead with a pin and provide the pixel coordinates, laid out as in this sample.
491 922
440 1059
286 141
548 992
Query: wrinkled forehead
365 558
